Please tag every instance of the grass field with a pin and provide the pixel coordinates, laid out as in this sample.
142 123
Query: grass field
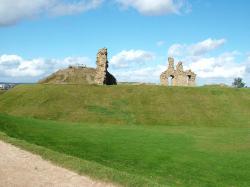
143 155
126 104
135 135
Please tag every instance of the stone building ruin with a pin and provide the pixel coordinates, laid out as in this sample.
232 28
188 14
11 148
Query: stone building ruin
102 75
177 77
80 74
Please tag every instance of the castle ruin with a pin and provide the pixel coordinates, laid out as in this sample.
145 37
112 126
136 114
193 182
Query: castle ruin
80 74
177 77
102 75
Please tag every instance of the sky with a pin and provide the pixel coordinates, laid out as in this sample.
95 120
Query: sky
210 37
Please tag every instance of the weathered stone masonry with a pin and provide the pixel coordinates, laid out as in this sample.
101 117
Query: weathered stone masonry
102 75
178 77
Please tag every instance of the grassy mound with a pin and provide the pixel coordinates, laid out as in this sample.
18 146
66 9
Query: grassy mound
71 75
140 155
128 104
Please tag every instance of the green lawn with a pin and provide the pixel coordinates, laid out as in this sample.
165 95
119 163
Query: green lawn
134 155
135 135
128 104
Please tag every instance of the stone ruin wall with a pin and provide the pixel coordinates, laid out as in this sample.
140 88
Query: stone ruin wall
102 76
102 66
178 77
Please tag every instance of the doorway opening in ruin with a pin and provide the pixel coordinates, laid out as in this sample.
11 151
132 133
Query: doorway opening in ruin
170 80
188 79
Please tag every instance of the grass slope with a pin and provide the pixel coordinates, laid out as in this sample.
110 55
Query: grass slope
141 155
127 104
135 135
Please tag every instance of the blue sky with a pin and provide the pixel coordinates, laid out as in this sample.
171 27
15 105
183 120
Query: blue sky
210 37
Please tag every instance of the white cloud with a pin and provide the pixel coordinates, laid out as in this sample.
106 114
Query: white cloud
16 68
248 57
197 49
155 7
176 50
222 66
147 74
136 66
160 43
130 58
13 11
74 8
206 46
248 65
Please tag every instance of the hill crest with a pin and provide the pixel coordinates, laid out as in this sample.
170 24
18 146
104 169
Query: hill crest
84 75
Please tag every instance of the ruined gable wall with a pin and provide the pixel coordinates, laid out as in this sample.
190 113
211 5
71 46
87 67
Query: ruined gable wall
178 76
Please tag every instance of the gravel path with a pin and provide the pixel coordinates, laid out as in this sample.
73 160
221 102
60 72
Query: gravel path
19 168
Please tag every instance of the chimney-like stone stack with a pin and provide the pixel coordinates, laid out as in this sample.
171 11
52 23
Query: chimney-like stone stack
102 76
102 66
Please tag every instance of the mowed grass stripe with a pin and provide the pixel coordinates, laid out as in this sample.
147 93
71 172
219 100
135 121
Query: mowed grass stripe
154 155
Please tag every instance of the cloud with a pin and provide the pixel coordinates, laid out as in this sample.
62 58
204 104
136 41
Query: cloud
248 74
14 67
248 56
147 74
248 64
130 58
160 43
155 7
176 50
13 11
197 49
61 9
222 66
206 46
136 66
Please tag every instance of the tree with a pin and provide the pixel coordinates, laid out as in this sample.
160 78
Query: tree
238 83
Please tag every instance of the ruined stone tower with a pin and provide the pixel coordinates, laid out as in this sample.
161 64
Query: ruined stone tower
102 75
102 66
177 77
76 74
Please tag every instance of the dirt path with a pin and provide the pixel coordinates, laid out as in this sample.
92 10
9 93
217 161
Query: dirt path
20 168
